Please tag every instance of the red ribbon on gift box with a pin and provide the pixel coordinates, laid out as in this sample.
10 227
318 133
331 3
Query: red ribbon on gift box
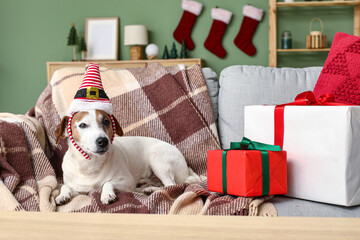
305 98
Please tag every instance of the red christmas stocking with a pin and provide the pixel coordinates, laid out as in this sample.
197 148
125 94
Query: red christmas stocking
182 32
243 40
213 41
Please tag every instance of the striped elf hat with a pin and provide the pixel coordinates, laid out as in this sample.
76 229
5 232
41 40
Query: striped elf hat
91 94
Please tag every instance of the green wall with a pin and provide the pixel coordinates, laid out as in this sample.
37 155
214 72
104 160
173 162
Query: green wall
34 32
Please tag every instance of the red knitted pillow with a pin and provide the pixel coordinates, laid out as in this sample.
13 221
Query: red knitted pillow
341 73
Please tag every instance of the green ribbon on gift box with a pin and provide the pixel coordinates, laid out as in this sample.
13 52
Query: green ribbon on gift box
247 144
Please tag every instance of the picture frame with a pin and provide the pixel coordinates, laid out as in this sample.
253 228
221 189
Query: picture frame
102 38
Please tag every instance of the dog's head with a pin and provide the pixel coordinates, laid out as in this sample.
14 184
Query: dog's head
92 130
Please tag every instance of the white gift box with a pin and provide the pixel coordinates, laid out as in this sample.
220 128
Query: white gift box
323 149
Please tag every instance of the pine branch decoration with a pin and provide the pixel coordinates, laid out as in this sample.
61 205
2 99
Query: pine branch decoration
72 38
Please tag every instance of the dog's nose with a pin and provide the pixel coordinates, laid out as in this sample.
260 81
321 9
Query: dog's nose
102 142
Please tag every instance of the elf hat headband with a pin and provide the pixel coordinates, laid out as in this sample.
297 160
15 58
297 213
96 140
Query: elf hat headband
91 94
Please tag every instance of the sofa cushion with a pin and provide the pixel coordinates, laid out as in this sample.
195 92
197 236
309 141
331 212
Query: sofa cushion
212 83
292 207
340 75
255 85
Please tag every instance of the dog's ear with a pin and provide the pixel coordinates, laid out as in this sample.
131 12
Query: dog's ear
60 131
118 129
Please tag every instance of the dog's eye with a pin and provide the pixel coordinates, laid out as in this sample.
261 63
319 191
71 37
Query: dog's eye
82 125
106 122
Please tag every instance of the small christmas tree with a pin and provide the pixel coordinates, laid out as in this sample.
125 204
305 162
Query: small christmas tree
72 40
183 53
82 47
173 53
166 53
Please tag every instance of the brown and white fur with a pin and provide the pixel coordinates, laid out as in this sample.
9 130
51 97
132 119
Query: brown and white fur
116 167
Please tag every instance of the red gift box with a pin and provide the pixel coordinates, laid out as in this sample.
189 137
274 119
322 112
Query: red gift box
246 174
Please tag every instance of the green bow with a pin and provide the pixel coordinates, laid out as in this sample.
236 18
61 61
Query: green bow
247 144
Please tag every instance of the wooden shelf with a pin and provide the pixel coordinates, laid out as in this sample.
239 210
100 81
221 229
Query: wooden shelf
304 50
318 3
53 66
274 5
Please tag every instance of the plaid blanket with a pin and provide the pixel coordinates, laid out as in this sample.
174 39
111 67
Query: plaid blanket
171 104
28 179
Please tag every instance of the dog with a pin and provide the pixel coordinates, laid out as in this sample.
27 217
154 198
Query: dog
118 166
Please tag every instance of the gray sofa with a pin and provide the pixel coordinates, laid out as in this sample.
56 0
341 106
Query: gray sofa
239 86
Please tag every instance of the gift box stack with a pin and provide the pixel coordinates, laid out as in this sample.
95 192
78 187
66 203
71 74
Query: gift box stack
320 132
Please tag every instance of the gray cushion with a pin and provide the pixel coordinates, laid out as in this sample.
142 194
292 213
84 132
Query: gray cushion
292 207
212 83
255 85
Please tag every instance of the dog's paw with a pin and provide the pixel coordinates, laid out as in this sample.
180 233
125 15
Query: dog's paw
150 190
108 198
62 199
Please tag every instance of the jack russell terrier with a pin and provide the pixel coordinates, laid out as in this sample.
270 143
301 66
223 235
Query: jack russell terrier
114 166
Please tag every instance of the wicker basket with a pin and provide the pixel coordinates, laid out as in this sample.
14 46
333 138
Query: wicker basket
316 39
